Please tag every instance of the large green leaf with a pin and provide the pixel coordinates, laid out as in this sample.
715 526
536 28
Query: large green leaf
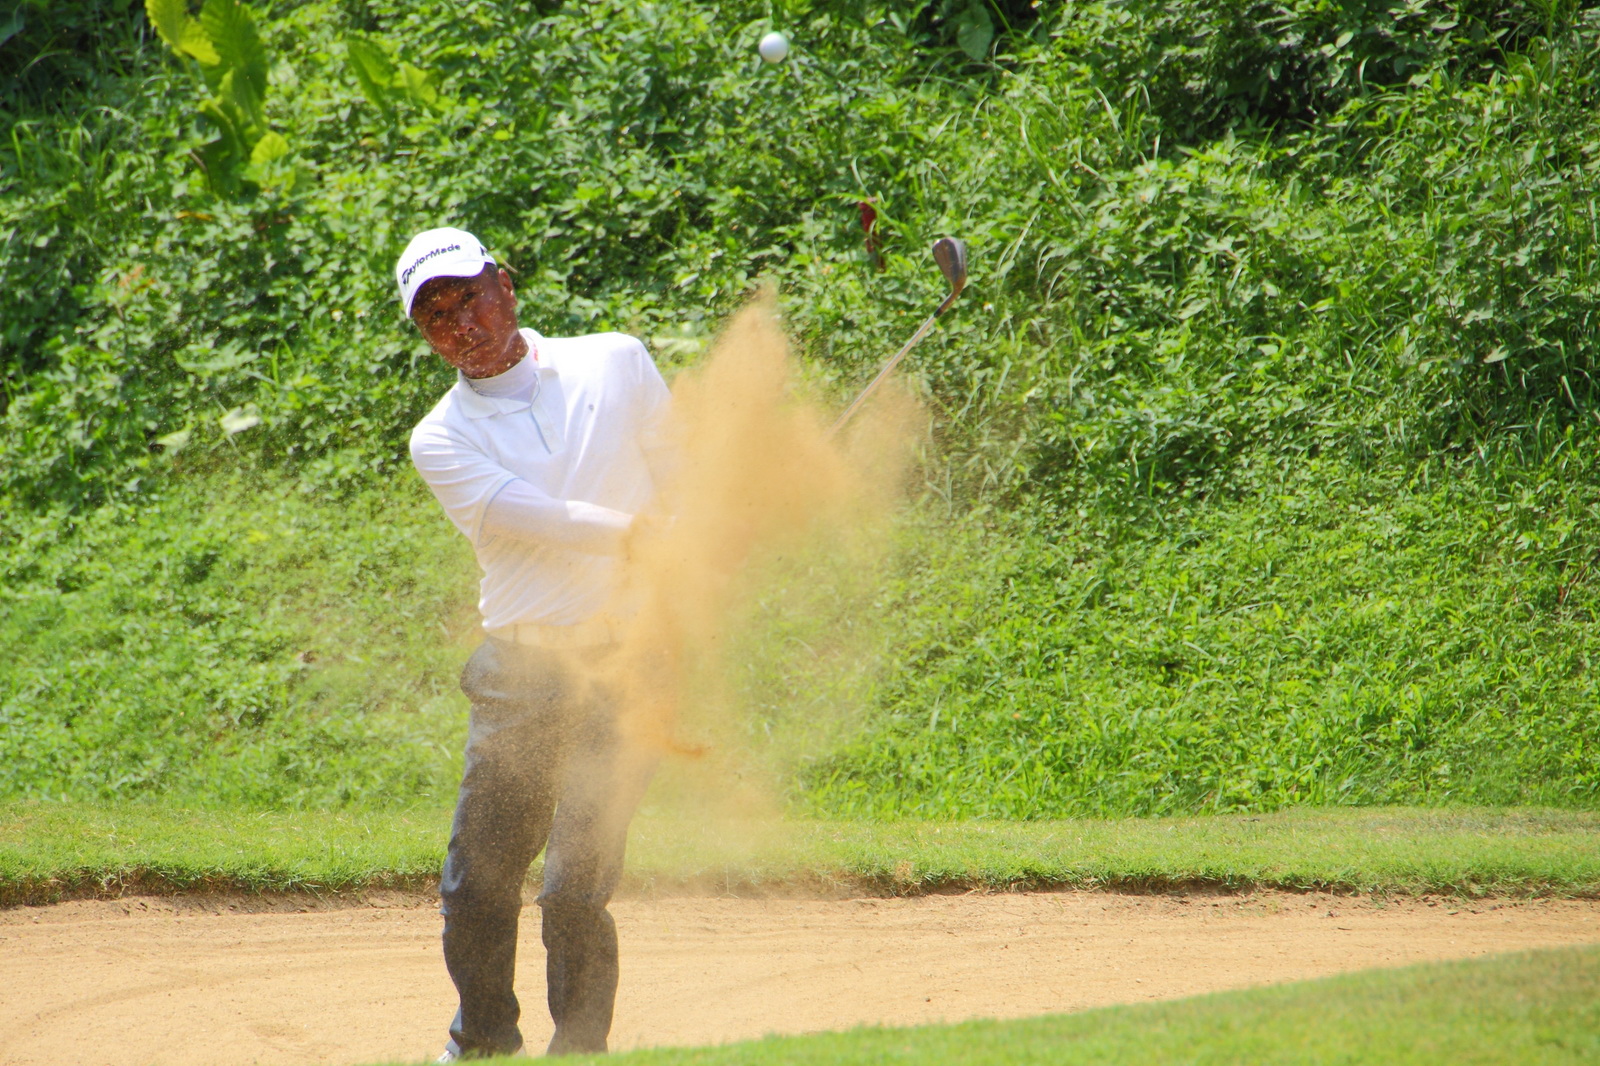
233 31
975 31
194 41
182 34
271 163
239 95
373 70
421 86
227 120
168 17
269 149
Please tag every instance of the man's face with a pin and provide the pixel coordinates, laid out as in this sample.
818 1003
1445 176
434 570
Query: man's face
471 322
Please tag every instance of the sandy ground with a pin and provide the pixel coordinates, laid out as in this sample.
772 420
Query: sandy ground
224 981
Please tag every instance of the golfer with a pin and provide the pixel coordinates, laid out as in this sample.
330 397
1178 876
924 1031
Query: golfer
542 453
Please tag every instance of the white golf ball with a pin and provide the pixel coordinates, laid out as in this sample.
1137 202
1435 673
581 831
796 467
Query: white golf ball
773 47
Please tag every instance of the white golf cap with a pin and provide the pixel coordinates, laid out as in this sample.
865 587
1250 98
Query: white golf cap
438 253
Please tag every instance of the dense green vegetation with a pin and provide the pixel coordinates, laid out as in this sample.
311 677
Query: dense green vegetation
1262 471
1535 1007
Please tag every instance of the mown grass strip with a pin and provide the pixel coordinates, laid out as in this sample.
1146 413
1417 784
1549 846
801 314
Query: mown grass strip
57 851
1532 1008
50 852
1472 852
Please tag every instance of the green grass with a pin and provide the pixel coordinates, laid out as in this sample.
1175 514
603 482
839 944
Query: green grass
1525 1009
1357 639
1272 405
1344 637
1280 397
54 851
245 640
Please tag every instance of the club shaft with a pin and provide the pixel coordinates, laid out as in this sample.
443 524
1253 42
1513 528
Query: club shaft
921 332
951 255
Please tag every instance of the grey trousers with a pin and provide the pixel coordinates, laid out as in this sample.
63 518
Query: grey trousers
545 768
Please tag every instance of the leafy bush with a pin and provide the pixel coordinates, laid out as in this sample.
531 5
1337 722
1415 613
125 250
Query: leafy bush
1208 66
224 43
639 169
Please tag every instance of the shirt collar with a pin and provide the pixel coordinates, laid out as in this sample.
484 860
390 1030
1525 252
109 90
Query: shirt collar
475 404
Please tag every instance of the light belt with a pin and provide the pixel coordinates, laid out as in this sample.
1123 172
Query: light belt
602 629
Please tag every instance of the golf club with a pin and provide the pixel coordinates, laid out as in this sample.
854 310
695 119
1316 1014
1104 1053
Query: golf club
951 255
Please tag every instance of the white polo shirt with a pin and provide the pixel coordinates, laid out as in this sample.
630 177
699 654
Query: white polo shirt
565 464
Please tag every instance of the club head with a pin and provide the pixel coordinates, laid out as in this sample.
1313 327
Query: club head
951 255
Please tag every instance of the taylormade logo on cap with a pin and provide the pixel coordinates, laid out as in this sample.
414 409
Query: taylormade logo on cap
438 253
412 269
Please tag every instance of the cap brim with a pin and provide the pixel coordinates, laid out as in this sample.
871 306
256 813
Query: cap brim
458 268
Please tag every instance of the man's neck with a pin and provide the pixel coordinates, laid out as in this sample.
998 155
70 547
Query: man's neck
518 351
515 381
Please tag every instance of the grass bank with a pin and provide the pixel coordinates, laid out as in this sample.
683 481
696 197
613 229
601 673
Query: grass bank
57 851
1268 411
245 640
1535 1007
1352 638
1340 637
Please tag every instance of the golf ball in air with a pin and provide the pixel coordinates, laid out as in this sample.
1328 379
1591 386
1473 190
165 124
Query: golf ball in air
773 47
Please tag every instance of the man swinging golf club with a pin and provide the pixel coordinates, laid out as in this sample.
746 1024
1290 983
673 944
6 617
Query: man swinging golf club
542 453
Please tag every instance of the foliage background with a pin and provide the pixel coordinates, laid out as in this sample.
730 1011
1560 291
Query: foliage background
1262 461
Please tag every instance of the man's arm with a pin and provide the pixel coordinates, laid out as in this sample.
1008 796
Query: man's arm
485 500
522 512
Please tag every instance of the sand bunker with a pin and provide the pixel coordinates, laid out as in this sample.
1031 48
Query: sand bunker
222 981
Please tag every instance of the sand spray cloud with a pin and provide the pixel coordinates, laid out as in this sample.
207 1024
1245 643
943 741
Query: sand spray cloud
758 483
